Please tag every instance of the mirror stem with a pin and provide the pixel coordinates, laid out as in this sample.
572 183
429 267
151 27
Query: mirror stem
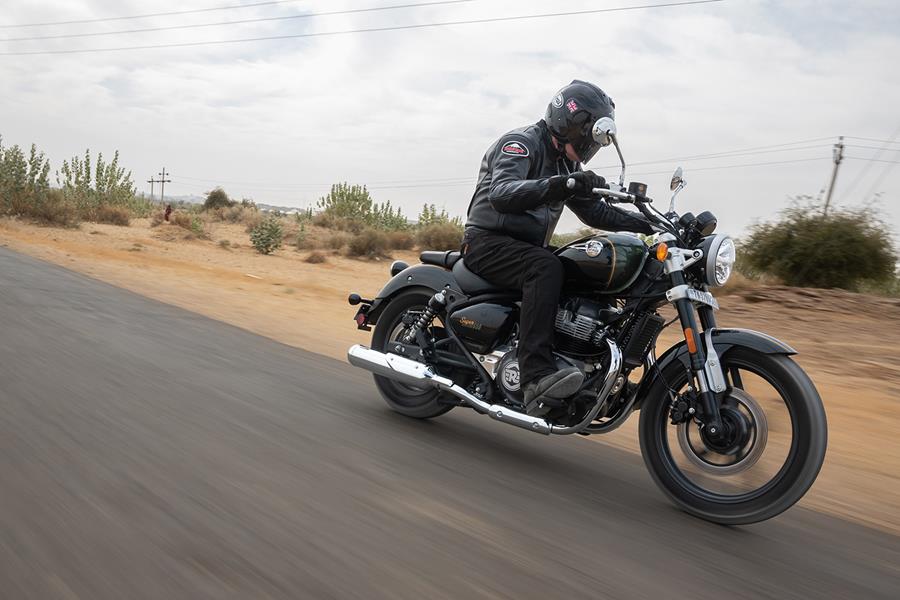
615 142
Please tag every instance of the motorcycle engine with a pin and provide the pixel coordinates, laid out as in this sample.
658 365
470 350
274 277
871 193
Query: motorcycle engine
581 327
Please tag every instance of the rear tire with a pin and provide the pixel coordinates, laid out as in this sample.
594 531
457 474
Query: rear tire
402 398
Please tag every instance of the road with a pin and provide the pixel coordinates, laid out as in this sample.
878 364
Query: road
149 452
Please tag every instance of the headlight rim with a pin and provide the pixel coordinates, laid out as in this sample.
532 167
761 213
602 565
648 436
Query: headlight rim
712 260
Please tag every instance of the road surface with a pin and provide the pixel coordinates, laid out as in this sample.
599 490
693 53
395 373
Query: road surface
148 452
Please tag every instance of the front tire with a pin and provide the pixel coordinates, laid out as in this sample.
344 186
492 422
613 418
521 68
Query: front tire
713 484
410 401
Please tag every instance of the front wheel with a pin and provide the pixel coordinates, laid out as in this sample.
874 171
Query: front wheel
408 400
774 447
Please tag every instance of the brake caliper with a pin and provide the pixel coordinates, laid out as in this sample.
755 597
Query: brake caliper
683 407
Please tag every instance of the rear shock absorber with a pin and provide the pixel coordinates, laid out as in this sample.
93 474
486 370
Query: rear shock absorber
435 305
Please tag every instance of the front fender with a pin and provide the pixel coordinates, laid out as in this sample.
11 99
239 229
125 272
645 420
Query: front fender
418 276
723 341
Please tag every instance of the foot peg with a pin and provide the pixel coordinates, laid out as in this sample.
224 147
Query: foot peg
551 391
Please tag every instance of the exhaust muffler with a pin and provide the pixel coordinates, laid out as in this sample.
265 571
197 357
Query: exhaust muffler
405 370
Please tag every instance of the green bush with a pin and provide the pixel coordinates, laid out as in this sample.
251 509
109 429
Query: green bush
268 235
106 183
431 216
351 208
805 247
217 198
440 236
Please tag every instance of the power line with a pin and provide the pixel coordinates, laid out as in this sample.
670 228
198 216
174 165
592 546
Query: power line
367 30
890 162
885 145
734 153
148 15
759 164
891 141
240 22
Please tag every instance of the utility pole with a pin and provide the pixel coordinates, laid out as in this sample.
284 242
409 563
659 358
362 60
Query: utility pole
838 154
151 181
162 185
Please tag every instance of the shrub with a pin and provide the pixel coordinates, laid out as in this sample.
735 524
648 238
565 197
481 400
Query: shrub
225 244
400 240
217 198
251 219
336 241
808 248
351 208
267 236
430 216
369 243
440 236
105 183
113 215
235 214
53 209
316 258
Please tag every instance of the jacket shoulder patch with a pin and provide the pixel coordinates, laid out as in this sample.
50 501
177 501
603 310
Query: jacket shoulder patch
514 148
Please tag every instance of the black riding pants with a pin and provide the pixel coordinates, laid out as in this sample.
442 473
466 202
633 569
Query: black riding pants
513 264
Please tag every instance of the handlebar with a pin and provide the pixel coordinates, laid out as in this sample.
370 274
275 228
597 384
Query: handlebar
610 195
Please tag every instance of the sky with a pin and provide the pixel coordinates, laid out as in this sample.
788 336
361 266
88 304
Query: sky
411 112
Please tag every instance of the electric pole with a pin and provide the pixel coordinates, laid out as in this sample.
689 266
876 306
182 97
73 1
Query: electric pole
151 181
838 154
162 185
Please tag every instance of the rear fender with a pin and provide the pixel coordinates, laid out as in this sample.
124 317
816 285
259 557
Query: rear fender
724 340
425 277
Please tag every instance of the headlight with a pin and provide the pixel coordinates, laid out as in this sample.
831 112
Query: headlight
720 255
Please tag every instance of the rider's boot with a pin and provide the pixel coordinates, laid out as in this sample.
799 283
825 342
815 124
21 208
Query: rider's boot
551 391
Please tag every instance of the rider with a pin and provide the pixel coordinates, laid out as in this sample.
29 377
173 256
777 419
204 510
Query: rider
518 200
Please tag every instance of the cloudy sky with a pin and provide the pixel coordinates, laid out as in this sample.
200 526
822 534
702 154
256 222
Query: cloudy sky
410 112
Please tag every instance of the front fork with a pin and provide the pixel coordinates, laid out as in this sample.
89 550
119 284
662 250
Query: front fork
705 366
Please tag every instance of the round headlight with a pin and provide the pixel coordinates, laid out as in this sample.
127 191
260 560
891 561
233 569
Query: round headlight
720 258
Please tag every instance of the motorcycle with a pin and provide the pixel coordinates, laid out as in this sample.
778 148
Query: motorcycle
731 429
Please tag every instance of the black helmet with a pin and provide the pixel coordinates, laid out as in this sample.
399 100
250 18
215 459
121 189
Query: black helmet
572 113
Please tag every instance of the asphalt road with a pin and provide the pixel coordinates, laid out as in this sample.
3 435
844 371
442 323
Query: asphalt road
148 452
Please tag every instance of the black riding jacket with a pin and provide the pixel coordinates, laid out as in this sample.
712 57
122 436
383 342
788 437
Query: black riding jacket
514 196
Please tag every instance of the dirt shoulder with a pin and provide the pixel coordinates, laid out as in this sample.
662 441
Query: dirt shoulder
844 340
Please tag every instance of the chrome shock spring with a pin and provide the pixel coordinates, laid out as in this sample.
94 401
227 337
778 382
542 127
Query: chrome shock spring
435 305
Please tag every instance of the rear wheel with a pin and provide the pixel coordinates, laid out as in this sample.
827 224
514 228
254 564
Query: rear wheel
393 324
770 456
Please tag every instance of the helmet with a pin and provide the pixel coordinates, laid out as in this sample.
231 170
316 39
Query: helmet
572 113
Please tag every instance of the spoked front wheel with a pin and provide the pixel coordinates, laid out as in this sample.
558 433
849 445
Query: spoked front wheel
772 450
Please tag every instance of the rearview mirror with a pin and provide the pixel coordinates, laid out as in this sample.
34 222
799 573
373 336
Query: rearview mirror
677 179
604 131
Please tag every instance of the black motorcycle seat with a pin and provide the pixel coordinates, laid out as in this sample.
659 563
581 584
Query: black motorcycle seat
440 259
472 284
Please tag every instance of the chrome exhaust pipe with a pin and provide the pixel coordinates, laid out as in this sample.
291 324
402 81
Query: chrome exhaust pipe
411 372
